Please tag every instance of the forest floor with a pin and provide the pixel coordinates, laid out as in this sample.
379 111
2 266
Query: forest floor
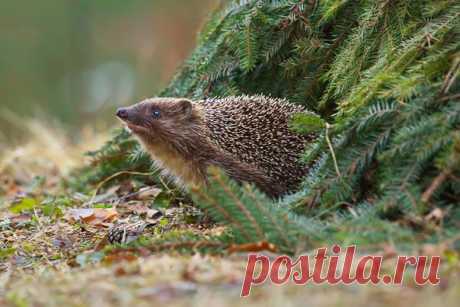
54 251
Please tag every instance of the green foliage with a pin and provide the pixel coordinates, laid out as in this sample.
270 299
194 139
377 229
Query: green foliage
121 153
251 215
26 204
384 74
6 252
307 123
184 241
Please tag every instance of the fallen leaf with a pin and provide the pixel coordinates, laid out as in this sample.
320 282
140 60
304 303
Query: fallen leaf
102 215
148 193
79 214
96 216
20 218
252 247
120 255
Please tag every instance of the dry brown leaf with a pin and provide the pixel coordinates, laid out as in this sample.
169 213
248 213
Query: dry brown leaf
20 218
121 255
96 216
78 214
148 193
252 247
103 215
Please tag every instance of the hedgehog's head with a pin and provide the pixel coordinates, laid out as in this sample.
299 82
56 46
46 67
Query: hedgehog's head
160 119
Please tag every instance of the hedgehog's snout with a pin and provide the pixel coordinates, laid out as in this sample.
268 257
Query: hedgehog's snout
122 113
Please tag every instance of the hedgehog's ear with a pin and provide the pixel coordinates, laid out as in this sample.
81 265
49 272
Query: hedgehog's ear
185 107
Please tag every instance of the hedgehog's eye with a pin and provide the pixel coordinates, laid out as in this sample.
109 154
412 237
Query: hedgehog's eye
156 113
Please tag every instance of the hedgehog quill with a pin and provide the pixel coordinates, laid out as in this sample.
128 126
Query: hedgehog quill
248 137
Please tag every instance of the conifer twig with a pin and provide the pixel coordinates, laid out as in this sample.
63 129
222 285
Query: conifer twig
266 212
329 143
435 185
228 217
240 205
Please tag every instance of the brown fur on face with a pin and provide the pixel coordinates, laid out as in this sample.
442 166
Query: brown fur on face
160 119
173 132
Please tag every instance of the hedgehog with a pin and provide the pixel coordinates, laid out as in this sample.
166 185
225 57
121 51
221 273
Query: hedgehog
246 136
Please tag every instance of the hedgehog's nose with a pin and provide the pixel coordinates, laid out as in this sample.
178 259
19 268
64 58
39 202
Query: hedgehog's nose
122 113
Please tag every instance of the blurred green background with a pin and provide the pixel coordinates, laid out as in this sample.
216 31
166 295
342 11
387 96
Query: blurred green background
76 60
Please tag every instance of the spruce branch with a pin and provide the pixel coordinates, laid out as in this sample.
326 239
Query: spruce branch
247 212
